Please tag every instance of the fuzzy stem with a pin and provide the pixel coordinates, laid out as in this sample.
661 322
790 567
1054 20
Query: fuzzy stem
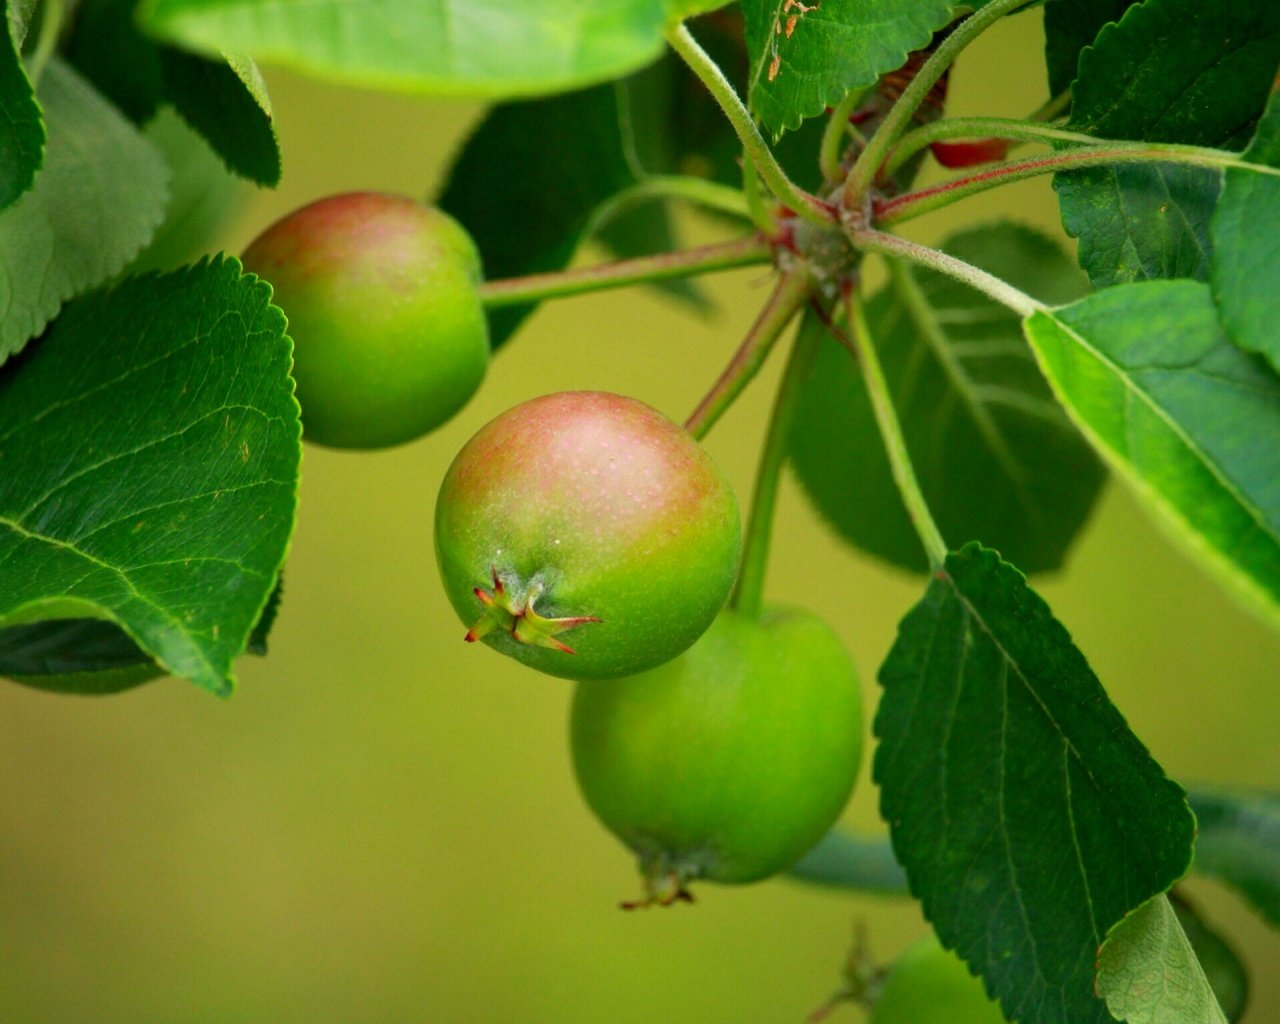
788 296
1000 290
867 166
513 291
895 443
935 197
757 150
977 128
833 137
699 191
748 592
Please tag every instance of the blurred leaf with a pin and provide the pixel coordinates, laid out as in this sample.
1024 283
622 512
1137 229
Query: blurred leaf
21 128
997 458
1148 973
20 12
573 153
204 197
95 203
151 449
1148 374
226 102
1070 26
852 861
1239 844
106 47
1170 71
1028 816
1220 963
494 48
680 9
806 57
1246 239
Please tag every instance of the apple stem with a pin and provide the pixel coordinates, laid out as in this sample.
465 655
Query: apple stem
748 593
703 259
790 293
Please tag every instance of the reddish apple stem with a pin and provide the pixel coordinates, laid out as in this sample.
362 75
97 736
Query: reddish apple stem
748 593
791 292
703 259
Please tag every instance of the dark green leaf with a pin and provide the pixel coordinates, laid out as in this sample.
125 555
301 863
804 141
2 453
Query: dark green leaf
997 459
852 862
83 656
495 48
1027 815
806 57
572 152
95 203
108 49
226 102
1246 239
1148 374
1221 964
1169 71
1070 26
1239 844
21 129
1148 972
151 449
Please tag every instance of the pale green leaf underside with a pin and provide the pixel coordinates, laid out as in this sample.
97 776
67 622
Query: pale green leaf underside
492 48
1148 973
151 447
95 203
805 61
1149 375
1246 238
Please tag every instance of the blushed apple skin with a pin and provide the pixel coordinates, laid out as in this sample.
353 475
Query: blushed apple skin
730 762
931 985
390 337
610 508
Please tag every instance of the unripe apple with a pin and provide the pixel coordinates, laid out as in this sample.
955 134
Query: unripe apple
390 338
729 762
931 985
586 535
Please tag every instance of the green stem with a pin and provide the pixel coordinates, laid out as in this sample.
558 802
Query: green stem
757 150
895 443
1053 107
761 216
834 136
1000 290
935 197
699 191
867 166
514 291
979 128
852 860
748 592
790 293
50 29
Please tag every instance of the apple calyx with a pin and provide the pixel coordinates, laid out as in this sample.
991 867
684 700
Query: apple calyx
666 882
515 615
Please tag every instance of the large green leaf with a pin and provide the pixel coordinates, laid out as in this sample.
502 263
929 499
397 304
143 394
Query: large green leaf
806 57
1246 240
151 449
497 48
1070 26
21 128
1028 816
1169 71
997 459
1148 374
1239 844
1148 972
107 47
95 203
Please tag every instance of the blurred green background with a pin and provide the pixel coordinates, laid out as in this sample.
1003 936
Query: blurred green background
382 824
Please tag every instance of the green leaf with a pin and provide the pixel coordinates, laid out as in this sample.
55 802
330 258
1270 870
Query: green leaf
1148 973
852 861
20 12
1246 240
226 102
1148 374
106 47
494 48
1221 964
95 203
573 154
1239 844
1169 71
21 128
1027 815
996 457
807 57
1070 26
681 9
151 449
82 656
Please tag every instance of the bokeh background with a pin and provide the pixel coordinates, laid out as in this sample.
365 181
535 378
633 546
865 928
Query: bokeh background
382 824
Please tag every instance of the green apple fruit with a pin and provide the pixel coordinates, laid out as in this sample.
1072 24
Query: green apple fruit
931 985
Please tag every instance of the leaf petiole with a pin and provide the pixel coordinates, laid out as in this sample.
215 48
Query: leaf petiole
710 195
